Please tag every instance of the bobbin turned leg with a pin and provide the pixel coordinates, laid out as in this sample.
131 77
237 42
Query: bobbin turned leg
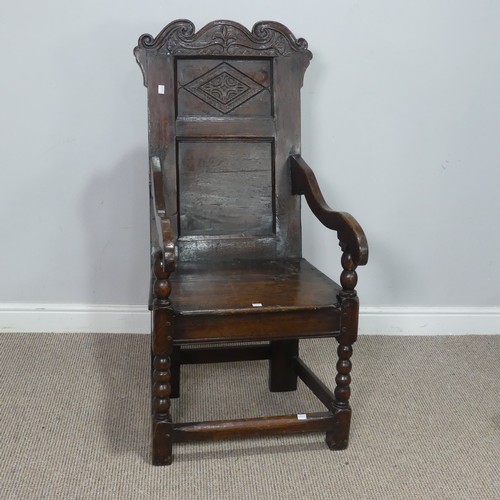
161 346
338 437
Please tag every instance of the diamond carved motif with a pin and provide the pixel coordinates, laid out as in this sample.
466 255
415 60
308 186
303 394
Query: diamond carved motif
224 88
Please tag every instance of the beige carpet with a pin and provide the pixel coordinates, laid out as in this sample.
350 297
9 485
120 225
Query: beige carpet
74 423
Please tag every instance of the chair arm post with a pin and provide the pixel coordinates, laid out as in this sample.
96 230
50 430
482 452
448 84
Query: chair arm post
351 237
162 221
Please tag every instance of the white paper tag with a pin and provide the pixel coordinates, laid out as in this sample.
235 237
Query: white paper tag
161 89
301 416
256 304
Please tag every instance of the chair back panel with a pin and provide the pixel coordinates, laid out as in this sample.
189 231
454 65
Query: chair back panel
224 117
225 188
222 87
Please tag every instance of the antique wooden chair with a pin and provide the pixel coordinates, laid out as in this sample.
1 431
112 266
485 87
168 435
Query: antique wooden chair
227 266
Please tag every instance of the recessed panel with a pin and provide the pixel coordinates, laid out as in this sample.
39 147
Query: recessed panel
225 188
223 87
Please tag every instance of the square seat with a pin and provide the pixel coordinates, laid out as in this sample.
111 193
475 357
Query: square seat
252 300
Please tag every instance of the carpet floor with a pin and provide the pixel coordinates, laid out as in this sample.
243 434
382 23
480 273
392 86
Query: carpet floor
74 423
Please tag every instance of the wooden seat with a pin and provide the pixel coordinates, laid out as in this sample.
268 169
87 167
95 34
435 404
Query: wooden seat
226 179
242 286
291 297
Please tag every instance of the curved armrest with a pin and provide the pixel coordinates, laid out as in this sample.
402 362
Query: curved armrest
349 232
163 223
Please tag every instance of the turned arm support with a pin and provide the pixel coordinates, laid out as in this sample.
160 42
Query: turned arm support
351 237
163 222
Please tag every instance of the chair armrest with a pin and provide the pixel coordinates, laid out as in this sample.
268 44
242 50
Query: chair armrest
163 222
349 232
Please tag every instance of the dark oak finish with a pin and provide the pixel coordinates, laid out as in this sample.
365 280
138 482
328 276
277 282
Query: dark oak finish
237 286
251 427
282 375
225 354
226 179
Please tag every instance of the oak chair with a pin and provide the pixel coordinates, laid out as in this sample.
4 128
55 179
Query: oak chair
226 179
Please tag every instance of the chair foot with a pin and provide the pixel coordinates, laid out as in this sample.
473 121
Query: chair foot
338 437
162 443
282 374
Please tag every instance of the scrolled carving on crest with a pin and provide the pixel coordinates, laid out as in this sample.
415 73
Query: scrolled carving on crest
267 38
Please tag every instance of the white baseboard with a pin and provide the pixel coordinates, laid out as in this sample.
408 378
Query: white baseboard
74 318
82 318
429 321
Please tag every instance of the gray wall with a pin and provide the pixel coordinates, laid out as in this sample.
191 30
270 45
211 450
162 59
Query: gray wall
401 121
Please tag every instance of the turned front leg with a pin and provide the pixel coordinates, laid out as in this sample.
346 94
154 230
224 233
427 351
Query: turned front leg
161 346
338 437
161 421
